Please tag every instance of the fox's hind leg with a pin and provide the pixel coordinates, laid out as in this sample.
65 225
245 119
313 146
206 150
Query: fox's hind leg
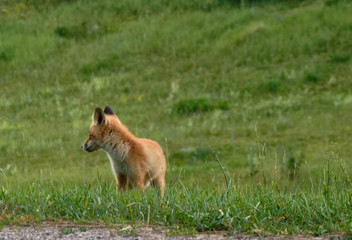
139 184
160 181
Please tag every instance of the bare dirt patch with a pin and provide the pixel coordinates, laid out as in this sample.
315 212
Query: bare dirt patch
74 231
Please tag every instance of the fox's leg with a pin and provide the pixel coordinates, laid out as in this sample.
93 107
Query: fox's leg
160 181
121 181
129 183
139 183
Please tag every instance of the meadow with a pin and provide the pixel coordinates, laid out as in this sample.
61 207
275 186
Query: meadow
250 100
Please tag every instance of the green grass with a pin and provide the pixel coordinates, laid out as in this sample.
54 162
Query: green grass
254 210
264 209
265 86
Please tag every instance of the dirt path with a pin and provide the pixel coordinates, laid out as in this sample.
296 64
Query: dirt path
69 231
65 231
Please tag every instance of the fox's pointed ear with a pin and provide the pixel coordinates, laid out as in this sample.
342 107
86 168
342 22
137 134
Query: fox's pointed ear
99 117
108 111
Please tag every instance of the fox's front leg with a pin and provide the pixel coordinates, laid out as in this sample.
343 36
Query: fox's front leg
121 182
129 183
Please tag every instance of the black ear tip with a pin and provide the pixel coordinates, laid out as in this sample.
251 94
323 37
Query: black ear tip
108 110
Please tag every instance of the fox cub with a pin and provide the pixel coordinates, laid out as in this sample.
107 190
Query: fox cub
136 162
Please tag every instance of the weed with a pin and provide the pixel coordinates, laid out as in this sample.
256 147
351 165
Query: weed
130 231
191 155
257 158
253 163
63 32
311 77
4 57
79 31
110 63
270 86
83 229
340 58
294 166
179 231
222 168
67 230
200 104
331 2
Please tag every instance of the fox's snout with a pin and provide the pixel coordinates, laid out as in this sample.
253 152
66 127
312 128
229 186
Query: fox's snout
90 146
83 147
86 148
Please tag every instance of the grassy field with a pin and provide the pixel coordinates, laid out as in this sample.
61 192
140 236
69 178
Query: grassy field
259 210
260 88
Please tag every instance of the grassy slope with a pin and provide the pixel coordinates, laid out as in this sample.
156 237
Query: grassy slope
284 70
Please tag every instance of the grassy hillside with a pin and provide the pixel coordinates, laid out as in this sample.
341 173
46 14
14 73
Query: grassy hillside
265 86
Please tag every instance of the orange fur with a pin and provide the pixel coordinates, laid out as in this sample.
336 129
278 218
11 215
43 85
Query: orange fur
134 161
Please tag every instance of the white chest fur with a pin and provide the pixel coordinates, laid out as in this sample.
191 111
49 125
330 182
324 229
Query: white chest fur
117 153
119 166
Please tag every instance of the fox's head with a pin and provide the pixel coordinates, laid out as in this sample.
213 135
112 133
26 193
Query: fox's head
97 129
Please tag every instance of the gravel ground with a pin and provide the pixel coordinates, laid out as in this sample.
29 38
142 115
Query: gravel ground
67 231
